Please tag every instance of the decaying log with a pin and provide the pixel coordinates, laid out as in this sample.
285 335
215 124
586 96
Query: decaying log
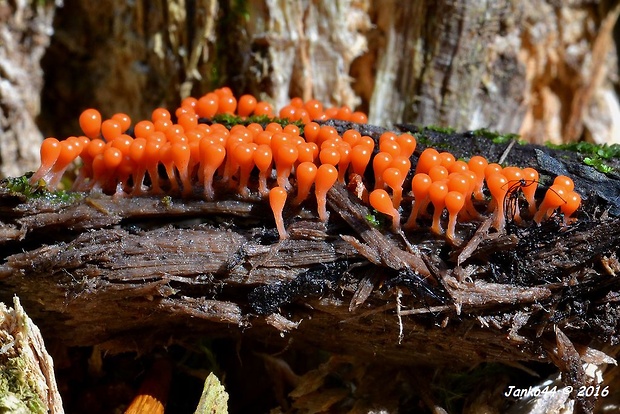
129 273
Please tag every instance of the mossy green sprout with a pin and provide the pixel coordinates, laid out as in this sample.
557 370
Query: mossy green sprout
229 120
497 137
20 185
595 155
373 221
166 201
17 393
598 164
423 137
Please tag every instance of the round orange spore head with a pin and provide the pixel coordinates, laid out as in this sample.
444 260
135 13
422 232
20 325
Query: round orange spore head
459 182
211 157
478 164
492 168
573 201
438 173
244 156
446 159
391 147
360 157
314 108
226 104
381 161
420 185
306 174
207 106
530 175
428 159
407 144
50 151
308 151
554 198
188 121
123 119
285 157
110 129
351 136
160 113
311 131
246 105
189 102
359 117
459 166
90 122
394 178
263 158
263 108
329 156
565 182
143 129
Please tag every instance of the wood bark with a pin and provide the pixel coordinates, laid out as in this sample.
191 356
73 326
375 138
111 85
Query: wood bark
24 38
128 274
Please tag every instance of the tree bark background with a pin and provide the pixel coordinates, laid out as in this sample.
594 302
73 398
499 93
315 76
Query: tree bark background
545 69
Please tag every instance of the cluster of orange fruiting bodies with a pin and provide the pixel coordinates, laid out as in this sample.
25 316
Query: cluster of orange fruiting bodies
188 157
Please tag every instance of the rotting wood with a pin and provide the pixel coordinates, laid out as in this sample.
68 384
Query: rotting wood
131 273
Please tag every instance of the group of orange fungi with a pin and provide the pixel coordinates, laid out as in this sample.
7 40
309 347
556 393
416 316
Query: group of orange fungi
159 156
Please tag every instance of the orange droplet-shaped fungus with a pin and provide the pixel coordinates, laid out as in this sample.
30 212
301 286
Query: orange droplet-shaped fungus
306 174
380 200
419 186
454 203
90 122
277 199
326 176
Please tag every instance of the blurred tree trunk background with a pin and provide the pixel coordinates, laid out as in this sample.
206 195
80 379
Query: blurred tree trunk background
544 69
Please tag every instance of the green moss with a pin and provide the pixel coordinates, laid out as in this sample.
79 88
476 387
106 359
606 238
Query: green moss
443 130
498 138
426 137
229 120
604 151
373 221
166 201
17 392
595 155
423 139
598 164
20 185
